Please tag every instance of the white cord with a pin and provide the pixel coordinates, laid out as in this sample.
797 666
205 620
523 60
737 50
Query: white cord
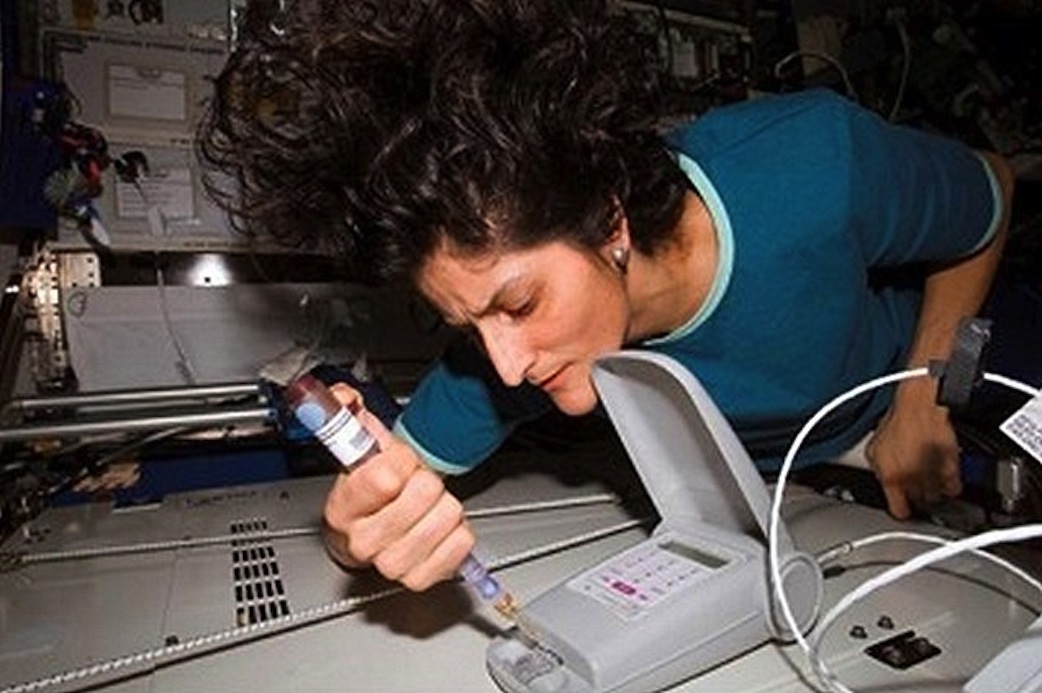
824 57
775 516
850 546
906 68
783 474
885 578
950 549
184 364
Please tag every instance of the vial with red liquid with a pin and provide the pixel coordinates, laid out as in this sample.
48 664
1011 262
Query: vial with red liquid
330 421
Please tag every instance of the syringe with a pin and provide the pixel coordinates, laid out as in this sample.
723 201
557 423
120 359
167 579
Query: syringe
336 427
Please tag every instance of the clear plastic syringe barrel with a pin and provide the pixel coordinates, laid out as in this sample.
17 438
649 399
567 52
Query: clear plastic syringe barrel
351 443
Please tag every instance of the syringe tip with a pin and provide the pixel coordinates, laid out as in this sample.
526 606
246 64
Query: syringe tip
507 606
478 577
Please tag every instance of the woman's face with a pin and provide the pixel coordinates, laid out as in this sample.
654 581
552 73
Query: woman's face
543 314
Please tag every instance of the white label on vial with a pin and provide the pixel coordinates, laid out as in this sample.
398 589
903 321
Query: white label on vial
346 438
1025 427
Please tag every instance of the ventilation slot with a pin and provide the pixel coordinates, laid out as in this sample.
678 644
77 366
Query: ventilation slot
259 593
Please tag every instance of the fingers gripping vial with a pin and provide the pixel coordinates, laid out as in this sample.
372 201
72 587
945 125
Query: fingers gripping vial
336 427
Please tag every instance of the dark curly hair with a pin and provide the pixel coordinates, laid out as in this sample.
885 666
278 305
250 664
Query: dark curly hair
378 128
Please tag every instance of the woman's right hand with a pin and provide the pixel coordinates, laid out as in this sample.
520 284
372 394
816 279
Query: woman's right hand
394 513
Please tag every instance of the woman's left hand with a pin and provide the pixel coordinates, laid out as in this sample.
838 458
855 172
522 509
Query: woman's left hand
914 451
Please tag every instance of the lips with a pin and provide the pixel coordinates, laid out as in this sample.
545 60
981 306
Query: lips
548 382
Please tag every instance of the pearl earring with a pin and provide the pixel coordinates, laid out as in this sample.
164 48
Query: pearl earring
621 257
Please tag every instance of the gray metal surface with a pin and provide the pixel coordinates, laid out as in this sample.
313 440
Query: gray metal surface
60 616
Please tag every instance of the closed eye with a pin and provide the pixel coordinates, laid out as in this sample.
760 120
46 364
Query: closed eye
522 310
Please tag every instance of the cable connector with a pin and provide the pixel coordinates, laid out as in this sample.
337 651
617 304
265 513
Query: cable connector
964 369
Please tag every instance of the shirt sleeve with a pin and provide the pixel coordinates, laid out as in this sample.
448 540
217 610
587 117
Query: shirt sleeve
897 194
461 412
916 196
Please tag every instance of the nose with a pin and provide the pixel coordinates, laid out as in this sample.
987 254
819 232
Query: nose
508 351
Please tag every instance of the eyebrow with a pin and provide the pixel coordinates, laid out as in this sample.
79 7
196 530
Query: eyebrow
504 288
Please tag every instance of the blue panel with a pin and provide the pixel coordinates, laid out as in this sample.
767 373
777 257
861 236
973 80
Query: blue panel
176 474
28 154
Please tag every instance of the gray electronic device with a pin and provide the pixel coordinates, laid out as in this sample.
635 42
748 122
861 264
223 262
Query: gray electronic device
692 595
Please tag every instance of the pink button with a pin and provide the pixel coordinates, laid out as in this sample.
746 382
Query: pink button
623 587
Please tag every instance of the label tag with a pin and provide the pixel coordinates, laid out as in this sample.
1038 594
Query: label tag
1024 427
346 438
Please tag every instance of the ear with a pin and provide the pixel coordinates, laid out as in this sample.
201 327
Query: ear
619 238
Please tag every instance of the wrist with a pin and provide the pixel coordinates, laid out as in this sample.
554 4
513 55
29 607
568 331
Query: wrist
917 393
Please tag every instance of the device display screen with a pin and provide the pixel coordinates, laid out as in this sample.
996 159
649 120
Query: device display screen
692 554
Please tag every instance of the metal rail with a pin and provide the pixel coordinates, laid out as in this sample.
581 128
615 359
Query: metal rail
165 394
183 419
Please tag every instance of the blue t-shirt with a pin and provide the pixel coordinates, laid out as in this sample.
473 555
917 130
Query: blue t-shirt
824 214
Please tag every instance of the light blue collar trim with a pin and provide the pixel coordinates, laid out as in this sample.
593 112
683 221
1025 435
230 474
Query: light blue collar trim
725 245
